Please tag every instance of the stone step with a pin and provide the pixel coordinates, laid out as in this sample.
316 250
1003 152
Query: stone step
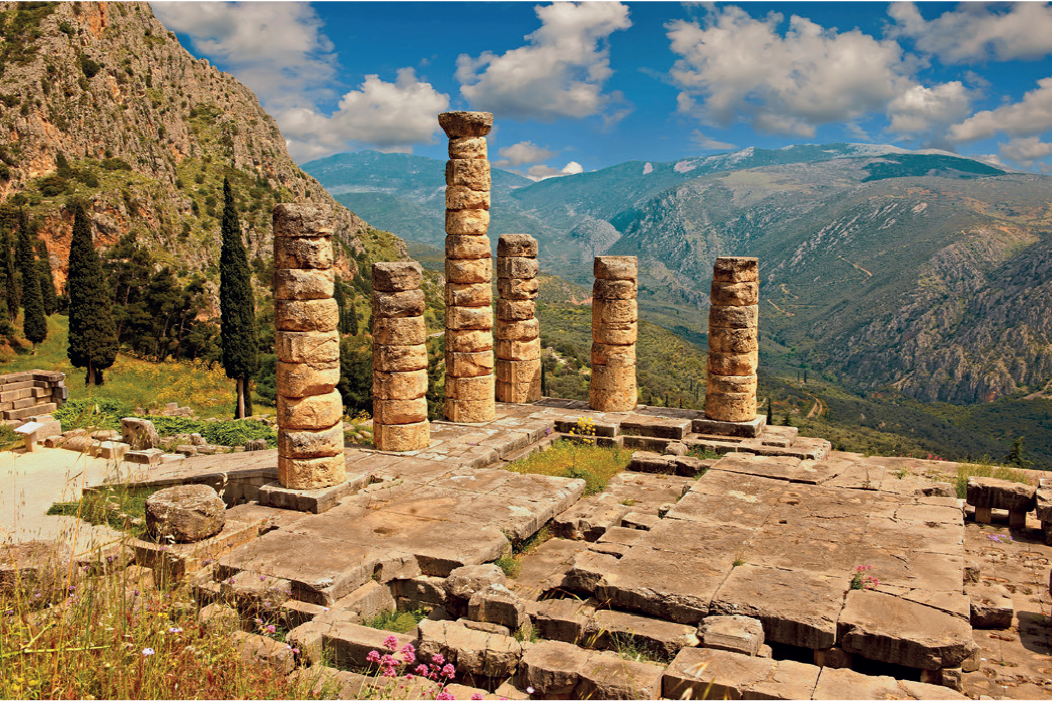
532 448
474 653
847 684
560 670
682 465
704 673
349 644
647 443
601 441
29 411
657 427
599 428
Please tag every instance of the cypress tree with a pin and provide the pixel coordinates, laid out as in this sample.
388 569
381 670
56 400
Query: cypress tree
237 307
47 279
14 299
34 324
92 333
770 412
1017 455
6 328
340 296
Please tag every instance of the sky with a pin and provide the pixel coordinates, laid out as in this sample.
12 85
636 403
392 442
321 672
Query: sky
581 86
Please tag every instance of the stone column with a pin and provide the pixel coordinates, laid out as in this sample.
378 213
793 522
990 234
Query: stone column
399 358
518 331
310 410
469 270
614 330
733 348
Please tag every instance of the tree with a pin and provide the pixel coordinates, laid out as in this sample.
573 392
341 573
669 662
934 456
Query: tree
92 333
770 411
236 306
47 279
1017 455
14 300
34 323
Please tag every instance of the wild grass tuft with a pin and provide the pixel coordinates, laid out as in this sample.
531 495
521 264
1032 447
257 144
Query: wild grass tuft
985 468
396 621
592 463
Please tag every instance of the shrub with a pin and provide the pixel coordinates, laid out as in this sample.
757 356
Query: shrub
89 67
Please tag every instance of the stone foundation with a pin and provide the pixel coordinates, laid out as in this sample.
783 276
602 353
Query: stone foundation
614 330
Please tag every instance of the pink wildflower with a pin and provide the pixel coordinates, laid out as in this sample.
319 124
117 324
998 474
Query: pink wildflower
476 697
373 656
408 653
449 671
391 643
445 696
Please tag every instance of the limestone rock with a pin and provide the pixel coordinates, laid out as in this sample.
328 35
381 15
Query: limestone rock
404 331
746 317
467 222
138 433
461 197
468 247
497 604
478 294
615 267
303 253
468 147
518 288
306 379
472 173
736 269
291 283
34 567
465 124
517 246
525 330
307 315
470 651
402 437
301 220
307 346
994 493
311 473
400 385
521 268
734 294
463 582
185 513
310 412
397 276
732 633
468 340
306 443
991 606
469 271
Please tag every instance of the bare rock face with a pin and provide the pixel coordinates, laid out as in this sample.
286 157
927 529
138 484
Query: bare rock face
140 434
186 513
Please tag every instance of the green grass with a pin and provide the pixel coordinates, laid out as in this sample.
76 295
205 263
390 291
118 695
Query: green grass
120 508
396 621
987 469
594 464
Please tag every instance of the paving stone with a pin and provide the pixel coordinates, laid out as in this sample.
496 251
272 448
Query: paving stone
497 604
471 651
545 568
739 634
930 536
586 573
552 669
484 627
672 429
847 684
640 521
782 468
560 670
991 606
349 644
33 565
264 651
589 519
887 629
421 590
706 673
614 630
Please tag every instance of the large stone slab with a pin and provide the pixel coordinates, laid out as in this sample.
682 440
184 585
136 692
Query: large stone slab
782 468
702 673
564 671
847 684
471 651
991 493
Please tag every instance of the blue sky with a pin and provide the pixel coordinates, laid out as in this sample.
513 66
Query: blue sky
588 85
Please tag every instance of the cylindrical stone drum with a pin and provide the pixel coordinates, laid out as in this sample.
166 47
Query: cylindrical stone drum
614 328
733 341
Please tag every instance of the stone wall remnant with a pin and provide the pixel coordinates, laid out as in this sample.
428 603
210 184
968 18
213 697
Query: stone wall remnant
615 323
733 340
307 343
518 337
470 387
399 358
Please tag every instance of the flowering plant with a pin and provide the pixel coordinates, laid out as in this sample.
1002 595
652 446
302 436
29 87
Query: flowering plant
437 670
861 579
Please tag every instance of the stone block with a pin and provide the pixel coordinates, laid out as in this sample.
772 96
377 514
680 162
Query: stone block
461 197
185 513
400 385
472 173
472 389
399 358
517 246
730 407
468 147
478 294
614 311
394 305
552 669
404 331
467 222
472 652
468 247
469 364
303 253
139 434
734 294
469 271
734 363
739 634
518 350
525 330
615 267
848 684
260 650
464 124
421 589
624 399
402 437
369 600
31 567
151 456
306 315
307 346
732 384
614 289
518 289
468 412
311 473
397 276
732 340
312 412
292 283
497 604
614 356
515 309
747 317
296 220
611 378
519 392
736 269
991 606
468 341
463 582
109 450
609 676
610 629
469 318
349 644
615 334
518 371
991 493
298 444
399 411
517 268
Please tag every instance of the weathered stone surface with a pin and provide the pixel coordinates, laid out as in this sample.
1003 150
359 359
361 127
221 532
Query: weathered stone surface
518 371
732 340
612 630
522 268
613 378
404 331
296 220
746 317
469 271
734 633
185 513
517 246
994 493
624 399
394 305
888 629
473 389
303 443
706 673
402 437
734 363
848 684
469 364
467 222
614 289
307 346
518 289
399 358
34 567
518 350
461 124
399 411
609 676
306 315
730 407
468 412
303 253
614 311
463 582
469 318
461 197
732 384
519 392
400 385
261 650
734 294
479 294
291 283
468 341
316 411
470 651
138 433
736 269
397 276
552 669
496 604
311 473
350 643
526 330
615 334
615 267
472 173
991 606
467 247
515 310
468 147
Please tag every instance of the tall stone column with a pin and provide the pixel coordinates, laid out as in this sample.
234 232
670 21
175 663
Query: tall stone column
518 331
733 347
614 330
310 410
399 358
469 270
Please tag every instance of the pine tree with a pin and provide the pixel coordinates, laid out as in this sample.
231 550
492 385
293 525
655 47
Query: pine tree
237 307
47 279
14 299
92 333
34 323
1017 455
770 412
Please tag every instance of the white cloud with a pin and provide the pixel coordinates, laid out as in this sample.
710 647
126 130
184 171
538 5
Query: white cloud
705 143
521 153
543 172
1029 117
559 73
1026 151
978 31
278 50
918 109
